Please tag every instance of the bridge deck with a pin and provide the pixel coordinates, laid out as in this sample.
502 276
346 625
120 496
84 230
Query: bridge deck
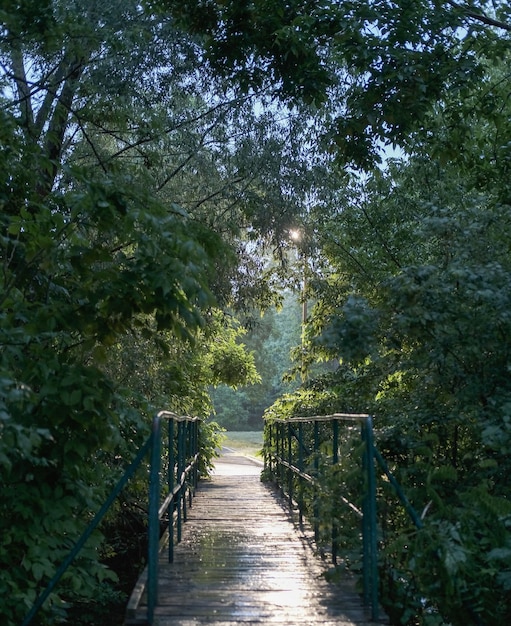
243 561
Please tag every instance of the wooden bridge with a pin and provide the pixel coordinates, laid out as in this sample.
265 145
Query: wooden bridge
243 560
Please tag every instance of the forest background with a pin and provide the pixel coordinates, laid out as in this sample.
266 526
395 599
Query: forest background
155 158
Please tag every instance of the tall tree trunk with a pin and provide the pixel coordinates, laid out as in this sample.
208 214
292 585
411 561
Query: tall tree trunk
58 124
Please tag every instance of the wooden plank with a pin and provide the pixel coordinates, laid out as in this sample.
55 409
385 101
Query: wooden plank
242 560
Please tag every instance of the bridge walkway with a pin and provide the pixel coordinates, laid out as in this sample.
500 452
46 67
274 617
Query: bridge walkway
242 561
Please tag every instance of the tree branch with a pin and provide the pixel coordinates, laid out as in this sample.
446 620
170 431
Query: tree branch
480 17
213 194
27 114
183 123
350 255
58 124
200 145
382 240
51 94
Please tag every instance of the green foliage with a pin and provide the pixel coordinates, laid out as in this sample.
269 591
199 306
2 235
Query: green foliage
435 574
230 363
103 269
301 403
28 18
135 196
415 306
376 67
269 339
210 443
284 42
412 301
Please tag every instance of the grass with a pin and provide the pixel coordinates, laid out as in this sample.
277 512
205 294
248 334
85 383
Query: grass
249 443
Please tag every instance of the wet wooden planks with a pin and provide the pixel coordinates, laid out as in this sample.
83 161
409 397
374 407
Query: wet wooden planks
243 561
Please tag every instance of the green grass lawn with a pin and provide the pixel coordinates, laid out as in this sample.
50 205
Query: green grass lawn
249 443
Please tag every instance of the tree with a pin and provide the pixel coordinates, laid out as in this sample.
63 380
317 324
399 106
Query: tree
270 339
380 65
125 187
414 302
139 177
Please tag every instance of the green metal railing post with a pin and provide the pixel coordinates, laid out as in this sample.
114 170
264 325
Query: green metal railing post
170 478
267 447
274 448
188 456
300 480
335 461
277 451
180 466
281 453
370 539
195 452
290 462
154 521
316 475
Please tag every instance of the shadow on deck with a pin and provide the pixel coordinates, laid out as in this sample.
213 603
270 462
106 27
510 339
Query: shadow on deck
242 560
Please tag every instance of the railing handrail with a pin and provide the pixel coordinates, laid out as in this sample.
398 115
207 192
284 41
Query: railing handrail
152 444
346 417
127 475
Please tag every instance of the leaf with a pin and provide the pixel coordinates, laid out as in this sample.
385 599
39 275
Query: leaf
501 554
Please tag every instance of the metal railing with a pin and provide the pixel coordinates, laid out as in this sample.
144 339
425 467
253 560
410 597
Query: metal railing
295 450
182 474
